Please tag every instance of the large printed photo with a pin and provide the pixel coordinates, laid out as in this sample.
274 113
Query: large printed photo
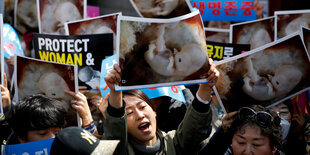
151 56
1 61
264 76
257 32
288 22
97 25
85 51
25 15
161 9
52 14
47 78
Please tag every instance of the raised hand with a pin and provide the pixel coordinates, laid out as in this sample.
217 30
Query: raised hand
5 93
298 122
227 120
204 91
81 106
114 77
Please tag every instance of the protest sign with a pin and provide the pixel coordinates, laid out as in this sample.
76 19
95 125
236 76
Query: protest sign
2 35
256 33
11 47
11 42
98 25
85 51
107 64
150 56
267 75
40 147
162 9
25 15
1 108
305 33
225 10
1 61
174 92
217 35
52 14
288 22
219 51
33 76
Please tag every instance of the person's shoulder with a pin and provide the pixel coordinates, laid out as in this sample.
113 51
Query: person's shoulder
168 135
12 139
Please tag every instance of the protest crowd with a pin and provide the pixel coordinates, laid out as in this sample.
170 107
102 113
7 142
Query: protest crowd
155 77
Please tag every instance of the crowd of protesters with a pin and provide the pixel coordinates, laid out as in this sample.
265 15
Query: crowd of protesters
129 122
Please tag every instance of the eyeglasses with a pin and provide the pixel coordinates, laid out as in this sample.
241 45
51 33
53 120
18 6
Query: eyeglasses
263 119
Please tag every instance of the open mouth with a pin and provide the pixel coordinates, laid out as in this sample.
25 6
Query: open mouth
144 126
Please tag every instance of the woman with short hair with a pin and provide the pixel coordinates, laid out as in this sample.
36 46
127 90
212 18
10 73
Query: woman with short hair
251 130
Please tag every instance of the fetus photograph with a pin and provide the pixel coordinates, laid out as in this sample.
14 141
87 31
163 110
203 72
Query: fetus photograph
26 15
150 53
289 22
217 35
98 25
161 8
257 33
265 75
39 77
54 13
1 53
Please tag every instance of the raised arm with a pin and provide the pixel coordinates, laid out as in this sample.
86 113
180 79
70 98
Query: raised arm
5 93
6 99
115 126
196 123
205 90
80 104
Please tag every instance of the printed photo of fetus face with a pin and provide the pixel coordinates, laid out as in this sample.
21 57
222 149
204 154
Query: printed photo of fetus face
55 13
161 57
36 77
290 23
161 8
266 76
103 25
256 34
26 15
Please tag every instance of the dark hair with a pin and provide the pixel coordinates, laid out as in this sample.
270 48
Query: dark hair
273 131
140 94
37 112
289 105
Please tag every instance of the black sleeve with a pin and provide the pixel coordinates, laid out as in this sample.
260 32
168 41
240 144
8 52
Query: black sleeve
116 112
218 144
200 107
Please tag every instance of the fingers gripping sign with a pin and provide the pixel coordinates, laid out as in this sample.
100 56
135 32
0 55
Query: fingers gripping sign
113 77
81 106
5 93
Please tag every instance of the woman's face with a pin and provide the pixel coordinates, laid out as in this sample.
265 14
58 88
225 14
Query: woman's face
34 135
283 111
249 140
141 120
